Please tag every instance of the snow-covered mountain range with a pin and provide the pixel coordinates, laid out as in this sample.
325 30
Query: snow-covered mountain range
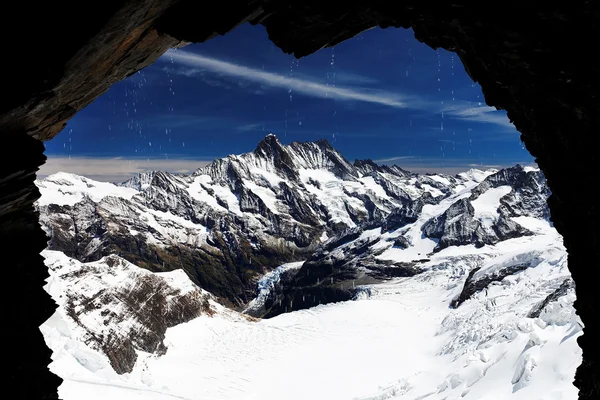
460 283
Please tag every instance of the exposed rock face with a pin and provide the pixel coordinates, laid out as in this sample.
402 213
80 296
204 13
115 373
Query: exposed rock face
526 196
334 273
119 308
562 290
84 50
474 285
531 60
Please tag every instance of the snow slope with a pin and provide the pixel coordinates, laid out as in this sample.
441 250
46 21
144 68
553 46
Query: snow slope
68 189
402 342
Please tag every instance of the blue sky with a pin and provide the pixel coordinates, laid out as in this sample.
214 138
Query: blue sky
381 95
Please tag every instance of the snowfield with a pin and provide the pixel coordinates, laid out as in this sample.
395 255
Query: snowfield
68 189
402 342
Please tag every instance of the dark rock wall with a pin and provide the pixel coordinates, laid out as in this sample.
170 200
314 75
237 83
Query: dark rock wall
25 304
535 61
76 52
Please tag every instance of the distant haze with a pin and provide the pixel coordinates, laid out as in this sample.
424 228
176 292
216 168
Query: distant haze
121 169
115 169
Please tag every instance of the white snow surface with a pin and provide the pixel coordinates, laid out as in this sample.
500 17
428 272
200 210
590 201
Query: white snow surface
331 194
486 205
402 342
68 189
266 195
477 175
530 168
440 179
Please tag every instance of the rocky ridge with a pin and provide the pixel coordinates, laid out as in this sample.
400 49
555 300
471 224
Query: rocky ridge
237 218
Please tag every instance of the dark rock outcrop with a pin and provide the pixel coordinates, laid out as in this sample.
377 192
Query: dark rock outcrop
133 311
27 305
84 51
529 194
473 285
333 273
459 225
408 213
560 291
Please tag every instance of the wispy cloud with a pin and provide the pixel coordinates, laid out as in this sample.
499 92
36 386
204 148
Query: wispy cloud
453 142
208 77
349 77
486 114
205 68
271 79
116 169
393 159
341 77
249 127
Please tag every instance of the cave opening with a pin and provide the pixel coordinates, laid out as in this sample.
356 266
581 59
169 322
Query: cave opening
543 77
130 183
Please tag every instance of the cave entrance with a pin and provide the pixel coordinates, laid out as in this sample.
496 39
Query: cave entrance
529 60
140 180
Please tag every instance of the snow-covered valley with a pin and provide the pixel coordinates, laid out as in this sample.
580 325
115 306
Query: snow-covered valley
458 286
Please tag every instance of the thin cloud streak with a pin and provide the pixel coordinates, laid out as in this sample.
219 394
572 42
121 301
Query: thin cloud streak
304 86
392 159
195 65
342 77
116 169
484 114
453 142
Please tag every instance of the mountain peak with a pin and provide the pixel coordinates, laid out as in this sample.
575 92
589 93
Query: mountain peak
324 143
270 138
366 166
268 145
